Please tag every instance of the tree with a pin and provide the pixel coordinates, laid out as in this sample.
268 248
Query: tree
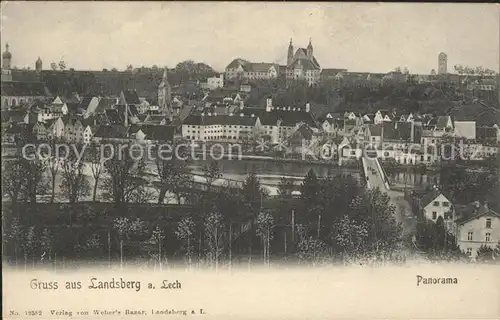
33 169
158 237
124 228
174 176
16 234
96 166
211 173
47 242
214 236
13 181
53 66
126 177
436 242
265 225
252 193
485 254
74 182
185 233
311 250
54 164
350 237
129 68
310 188
30 245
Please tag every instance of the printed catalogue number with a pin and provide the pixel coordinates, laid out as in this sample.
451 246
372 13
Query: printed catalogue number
49 314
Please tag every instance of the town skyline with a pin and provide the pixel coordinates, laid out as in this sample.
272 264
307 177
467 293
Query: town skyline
337 41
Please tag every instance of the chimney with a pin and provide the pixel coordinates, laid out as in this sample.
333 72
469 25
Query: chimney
269 104
308 107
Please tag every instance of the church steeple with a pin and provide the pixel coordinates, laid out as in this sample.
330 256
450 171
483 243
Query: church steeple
165 95
310 49
290 53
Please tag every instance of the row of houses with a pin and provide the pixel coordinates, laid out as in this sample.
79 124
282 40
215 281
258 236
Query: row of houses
472 225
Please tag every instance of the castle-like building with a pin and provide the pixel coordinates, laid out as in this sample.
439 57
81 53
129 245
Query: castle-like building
300 66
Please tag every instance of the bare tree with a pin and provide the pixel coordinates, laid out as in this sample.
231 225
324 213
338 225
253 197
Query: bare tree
214 235
158 237
74 182
184 232
96 166
265 225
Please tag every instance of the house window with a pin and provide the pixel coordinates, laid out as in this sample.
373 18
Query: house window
435 203
488 237
488 223
446 204
469 236
434 215
469 252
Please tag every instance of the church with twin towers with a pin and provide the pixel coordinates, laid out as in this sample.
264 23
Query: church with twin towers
301 65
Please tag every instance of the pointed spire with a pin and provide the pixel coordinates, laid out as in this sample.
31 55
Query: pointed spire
7 47
165 75
310 44
290 41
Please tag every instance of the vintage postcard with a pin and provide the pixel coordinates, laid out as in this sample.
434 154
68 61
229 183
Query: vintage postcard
250 160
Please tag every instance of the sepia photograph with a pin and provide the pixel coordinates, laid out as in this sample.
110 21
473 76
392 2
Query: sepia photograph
250 160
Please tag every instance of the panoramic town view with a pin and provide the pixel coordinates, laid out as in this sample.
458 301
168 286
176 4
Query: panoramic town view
149 160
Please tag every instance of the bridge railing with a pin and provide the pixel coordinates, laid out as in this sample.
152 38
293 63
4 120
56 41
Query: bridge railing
382 174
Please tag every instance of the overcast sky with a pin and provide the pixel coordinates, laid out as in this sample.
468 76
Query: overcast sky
359 37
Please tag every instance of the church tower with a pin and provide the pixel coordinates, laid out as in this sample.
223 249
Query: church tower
310 50
38 65
6 64
6 58
165 95
289 58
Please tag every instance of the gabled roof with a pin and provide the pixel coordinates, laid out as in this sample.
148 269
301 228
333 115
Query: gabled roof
442 121
481 211
428 197
220 120
154 119
113 131
397 131
306 64
259 67
104 104
302 132
155 132
131 97
237 62
331 72
287 118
